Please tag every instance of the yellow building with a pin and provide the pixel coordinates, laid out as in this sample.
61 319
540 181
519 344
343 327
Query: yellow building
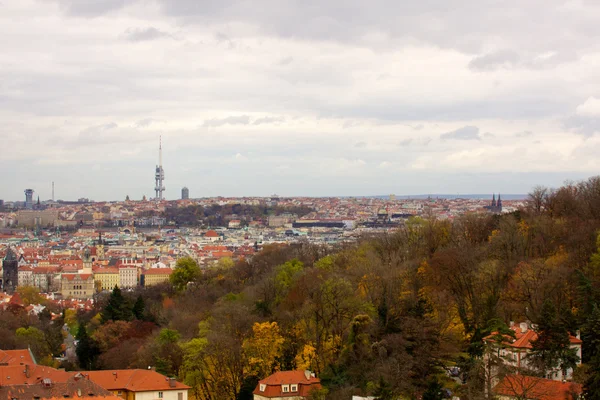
107 278
154 276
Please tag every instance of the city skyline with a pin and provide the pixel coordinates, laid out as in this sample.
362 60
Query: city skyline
389 97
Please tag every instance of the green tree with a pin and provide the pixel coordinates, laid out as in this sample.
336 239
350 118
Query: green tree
186 271
117 308
138 308
434 390
35 339
86 351
552 348
591 340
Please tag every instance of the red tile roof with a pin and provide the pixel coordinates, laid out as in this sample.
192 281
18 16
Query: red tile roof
275 381
158 271
15 357
134 380
533 388
523 340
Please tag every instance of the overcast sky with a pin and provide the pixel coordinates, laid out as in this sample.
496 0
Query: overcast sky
303 97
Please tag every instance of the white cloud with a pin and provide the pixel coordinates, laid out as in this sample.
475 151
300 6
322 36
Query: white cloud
361 96
591 107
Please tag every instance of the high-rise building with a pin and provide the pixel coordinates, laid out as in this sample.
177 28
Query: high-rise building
185 193
159 174
10 272
29 199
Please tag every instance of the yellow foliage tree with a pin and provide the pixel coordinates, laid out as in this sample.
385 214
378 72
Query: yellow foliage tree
263 348
306 358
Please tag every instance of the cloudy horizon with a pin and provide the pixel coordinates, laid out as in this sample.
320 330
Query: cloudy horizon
297 98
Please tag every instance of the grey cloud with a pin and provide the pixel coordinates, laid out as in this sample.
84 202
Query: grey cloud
406 142
464 133
467 26
583 125
144 123
511 59
491 61
360 145
144 34
286 60
268 120
91 8
233 120
523 134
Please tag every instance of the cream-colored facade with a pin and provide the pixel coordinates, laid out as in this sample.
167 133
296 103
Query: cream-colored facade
128 276
77 286
32 218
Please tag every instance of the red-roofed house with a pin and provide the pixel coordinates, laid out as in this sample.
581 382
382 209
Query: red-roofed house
287 385
514 351
516 387
16 357
212 236
139 384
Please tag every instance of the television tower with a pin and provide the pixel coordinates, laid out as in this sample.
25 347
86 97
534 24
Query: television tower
159 175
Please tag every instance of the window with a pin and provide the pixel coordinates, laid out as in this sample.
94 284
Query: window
160 395
263 387
180 396
294 388
285 388
119 393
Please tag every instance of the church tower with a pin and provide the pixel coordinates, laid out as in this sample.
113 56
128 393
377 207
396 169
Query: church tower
10 274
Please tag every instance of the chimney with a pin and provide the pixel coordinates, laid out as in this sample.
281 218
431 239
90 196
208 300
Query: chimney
307 374
512 323
27 370
523 326
153 369
172 382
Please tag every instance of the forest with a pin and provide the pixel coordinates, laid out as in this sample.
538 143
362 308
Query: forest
385 317
217 215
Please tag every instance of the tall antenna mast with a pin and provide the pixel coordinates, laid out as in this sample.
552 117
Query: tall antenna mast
159 174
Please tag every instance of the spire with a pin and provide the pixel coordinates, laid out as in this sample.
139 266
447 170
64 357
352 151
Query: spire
160 151
494 200
499 203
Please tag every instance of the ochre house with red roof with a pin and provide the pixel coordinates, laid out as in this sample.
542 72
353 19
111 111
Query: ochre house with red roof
139 384
516 387
287 385
514 351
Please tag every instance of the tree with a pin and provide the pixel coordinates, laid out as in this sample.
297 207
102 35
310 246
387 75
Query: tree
434 390
30 295
263 348
117 308
186 271
552 349
138 308
33 338
86 348
591 340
